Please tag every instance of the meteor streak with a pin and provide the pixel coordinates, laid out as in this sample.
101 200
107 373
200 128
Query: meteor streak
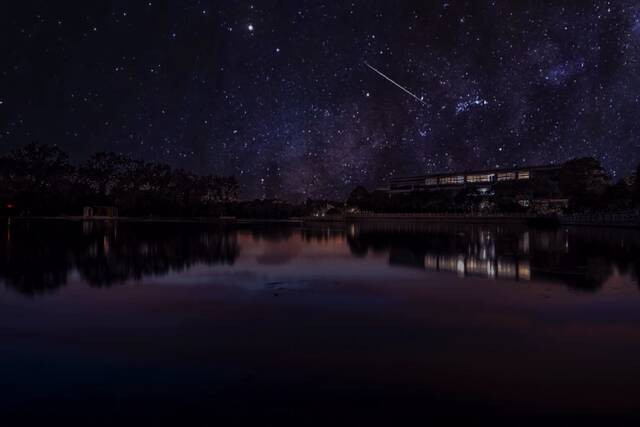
389 79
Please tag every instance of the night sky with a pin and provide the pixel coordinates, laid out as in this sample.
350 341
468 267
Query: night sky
278 93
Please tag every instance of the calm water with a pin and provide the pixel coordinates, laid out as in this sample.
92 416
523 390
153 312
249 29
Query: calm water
162 322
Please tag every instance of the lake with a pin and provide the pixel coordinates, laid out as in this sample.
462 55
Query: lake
150 322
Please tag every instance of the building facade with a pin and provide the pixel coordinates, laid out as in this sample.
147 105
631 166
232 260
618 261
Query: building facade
478 179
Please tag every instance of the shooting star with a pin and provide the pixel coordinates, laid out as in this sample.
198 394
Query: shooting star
420 100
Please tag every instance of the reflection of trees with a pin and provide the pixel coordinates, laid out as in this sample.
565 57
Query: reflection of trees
450 239
37 256
599 250
271 232
320 233
35 264
582 258
133 251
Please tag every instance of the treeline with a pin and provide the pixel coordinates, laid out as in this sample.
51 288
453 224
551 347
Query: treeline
583 182
38 179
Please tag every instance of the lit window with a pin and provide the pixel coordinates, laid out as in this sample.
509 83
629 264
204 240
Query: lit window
480 178
506 176
523 175
458 179
431 181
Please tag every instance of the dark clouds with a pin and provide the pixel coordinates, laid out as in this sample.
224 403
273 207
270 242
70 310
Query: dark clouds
289 107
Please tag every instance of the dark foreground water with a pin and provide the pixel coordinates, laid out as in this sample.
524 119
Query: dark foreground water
104 323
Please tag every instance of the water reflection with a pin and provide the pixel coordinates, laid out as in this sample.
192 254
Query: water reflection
582 258
39 256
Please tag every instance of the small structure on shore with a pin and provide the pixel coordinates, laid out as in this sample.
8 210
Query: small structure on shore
100 212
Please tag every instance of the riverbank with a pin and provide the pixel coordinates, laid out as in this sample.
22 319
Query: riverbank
629 219
188 220
618 220
126 219
625 220
430 217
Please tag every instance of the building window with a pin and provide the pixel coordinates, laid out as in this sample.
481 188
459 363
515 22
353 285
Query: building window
480 178
457 179
524 175
506 176
431 181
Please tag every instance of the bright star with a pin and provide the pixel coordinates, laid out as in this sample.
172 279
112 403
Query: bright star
250 27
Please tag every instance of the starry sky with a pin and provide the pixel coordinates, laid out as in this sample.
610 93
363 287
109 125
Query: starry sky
278 93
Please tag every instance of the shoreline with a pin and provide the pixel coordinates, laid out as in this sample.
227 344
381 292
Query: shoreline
200 220
506 219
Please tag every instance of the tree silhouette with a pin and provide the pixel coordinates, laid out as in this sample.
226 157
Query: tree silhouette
584 181
38 179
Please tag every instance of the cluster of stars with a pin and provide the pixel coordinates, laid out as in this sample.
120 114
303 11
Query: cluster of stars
280 97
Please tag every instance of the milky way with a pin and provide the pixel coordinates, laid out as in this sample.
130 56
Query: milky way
278 93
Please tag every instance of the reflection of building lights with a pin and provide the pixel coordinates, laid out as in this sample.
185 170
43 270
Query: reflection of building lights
524 242
431 262
466 266
491 271
506 269
524 270
460 266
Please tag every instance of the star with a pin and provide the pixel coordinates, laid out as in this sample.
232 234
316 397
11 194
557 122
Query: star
293 96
